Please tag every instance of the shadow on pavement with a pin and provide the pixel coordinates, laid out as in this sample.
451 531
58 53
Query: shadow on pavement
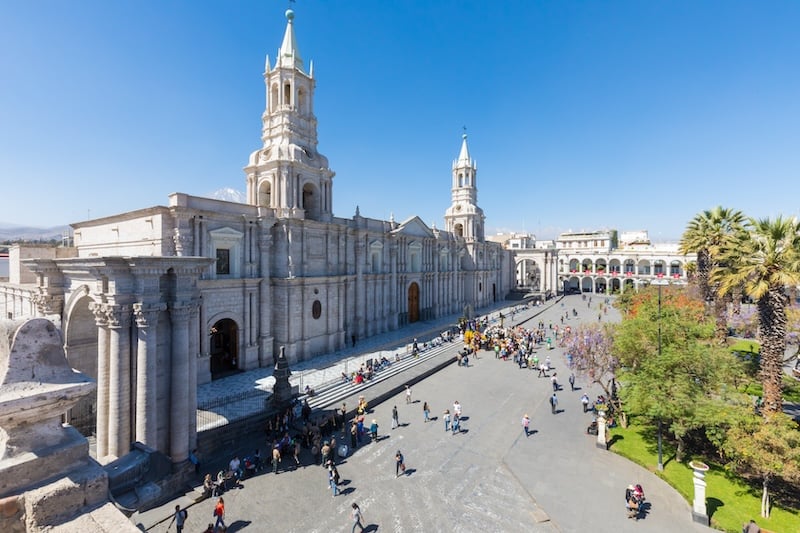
238 526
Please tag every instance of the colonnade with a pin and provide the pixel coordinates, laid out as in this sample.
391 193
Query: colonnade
127 339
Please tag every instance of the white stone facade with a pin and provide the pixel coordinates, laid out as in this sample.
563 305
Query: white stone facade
596 262
161 299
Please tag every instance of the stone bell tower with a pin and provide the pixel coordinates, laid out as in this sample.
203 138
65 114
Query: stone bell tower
287 175
464 218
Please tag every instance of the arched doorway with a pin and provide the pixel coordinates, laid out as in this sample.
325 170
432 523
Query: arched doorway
413 303
80 347
224 348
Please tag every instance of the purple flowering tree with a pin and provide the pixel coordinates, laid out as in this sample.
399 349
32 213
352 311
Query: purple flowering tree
591 348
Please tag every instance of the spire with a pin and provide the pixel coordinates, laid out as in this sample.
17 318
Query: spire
463 156
289 55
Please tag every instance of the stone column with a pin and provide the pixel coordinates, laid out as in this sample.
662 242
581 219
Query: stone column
101 321
359 247
393 289
179 383
119 397
146 372
699 513
265 297
194 343
601 431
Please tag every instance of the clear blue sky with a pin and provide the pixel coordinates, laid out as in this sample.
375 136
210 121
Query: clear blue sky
581 115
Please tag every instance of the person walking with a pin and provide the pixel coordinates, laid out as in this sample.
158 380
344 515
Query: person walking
585 402
276 458
446 416
373 430
219 512
395 418
333 480
356 515
456 426
426 412
399 464
326 453
408 394
554 380
553 403
526 422
572 381
179 518
354 435
457 408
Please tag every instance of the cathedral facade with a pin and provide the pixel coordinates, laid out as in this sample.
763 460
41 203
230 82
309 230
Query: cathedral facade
155 301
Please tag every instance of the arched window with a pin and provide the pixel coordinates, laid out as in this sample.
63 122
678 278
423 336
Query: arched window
287 94
273 99
265 194
459 230
311 202
301 101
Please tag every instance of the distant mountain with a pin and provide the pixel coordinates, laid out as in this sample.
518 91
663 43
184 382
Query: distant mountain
229 195
13 232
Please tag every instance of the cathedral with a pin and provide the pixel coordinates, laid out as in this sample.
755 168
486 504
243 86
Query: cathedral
155 301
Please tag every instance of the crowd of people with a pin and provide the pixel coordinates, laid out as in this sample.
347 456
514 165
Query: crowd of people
299 428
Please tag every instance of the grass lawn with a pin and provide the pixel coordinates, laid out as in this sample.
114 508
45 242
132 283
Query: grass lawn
730 501
791 389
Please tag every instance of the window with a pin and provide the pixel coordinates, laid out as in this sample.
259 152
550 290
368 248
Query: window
223 262
316 309
415 257
225 244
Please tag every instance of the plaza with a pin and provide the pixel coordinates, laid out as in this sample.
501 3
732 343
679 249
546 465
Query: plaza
488 477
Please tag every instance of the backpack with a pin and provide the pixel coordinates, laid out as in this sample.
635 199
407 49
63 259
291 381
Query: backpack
185 514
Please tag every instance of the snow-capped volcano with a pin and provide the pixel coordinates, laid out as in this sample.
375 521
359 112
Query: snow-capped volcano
229 195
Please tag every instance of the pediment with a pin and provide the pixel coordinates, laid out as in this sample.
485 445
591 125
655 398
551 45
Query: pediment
226 234
415 227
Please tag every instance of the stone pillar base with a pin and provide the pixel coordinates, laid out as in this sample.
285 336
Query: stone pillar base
28 469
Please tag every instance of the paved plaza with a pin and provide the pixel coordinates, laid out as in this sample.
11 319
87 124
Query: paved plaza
489 477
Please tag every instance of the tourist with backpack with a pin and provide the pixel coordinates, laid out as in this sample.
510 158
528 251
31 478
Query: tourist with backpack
179 518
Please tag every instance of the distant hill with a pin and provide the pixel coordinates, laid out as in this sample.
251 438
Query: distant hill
13 232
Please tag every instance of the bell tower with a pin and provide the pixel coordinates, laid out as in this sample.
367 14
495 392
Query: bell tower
287 177
464 218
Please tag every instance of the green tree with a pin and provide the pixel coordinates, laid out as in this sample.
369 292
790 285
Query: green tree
710 235
766 449
681 385
765 261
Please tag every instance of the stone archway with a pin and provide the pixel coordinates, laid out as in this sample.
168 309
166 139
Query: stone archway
413 302
80 348
224 348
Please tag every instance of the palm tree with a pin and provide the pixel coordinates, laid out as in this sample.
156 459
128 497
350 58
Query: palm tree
710 234
765 262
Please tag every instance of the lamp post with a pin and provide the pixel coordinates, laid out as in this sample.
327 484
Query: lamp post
660 282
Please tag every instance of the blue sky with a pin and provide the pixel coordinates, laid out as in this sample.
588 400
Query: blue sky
581 115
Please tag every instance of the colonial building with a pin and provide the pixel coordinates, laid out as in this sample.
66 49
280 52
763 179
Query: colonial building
155 301
594 262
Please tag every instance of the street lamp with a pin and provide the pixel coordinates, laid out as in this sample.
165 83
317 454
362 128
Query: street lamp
660 282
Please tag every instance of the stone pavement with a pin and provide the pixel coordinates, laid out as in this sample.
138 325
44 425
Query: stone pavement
487 478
